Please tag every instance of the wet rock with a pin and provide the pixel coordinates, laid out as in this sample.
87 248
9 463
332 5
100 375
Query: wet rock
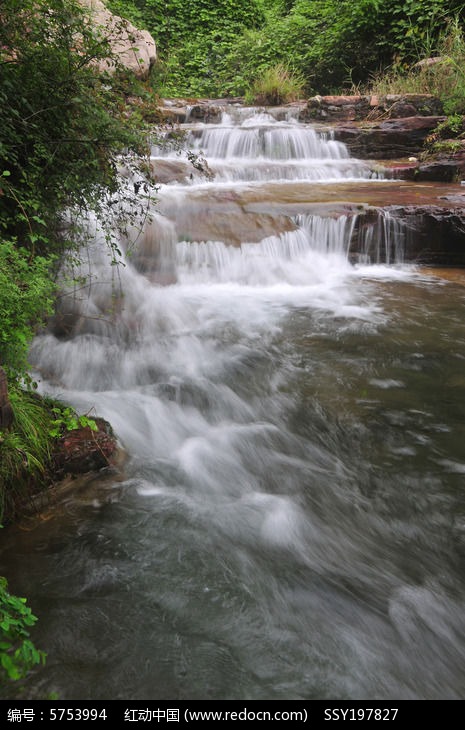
396 106
83 450
399 169
430 234
386 139
206 113
337 108
167 171
401 109
434 234
445 165
446 170
358 107
182 111
173 114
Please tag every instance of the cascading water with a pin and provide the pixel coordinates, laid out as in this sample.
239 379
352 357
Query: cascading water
290 522
261 148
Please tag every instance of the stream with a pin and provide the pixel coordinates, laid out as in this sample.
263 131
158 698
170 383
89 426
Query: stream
290 519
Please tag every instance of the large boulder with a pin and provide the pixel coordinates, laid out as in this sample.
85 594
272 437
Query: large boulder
135 49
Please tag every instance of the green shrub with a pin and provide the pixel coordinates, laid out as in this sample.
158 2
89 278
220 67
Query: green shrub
453 126
63 128
27 447
26 297
17 652
211 48
447 146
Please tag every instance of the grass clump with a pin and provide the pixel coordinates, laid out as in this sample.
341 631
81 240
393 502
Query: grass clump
276 85
25 451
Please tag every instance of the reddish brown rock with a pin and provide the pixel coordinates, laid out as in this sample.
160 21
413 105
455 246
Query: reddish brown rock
433 234
83 450
386 139
422 234
441 170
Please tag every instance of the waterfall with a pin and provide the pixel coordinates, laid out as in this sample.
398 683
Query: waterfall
207 241
261 148
382 241
288 522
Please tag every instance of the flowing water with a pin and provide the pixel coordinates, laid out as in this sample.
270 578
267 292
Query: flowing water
290 522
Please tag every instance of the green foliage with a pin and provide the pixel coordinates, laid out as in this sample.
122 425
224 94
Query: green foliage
443 75
66 419
453 126
332 40
448 146
220 48
64 125
27 448
451 69
194 40
17 652
446 138
131 9
61 127
415 27
26 296
276 85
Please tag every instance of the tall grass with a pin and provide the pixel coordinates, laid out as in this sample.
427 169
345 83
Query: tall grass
25 451
276 85
443 76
